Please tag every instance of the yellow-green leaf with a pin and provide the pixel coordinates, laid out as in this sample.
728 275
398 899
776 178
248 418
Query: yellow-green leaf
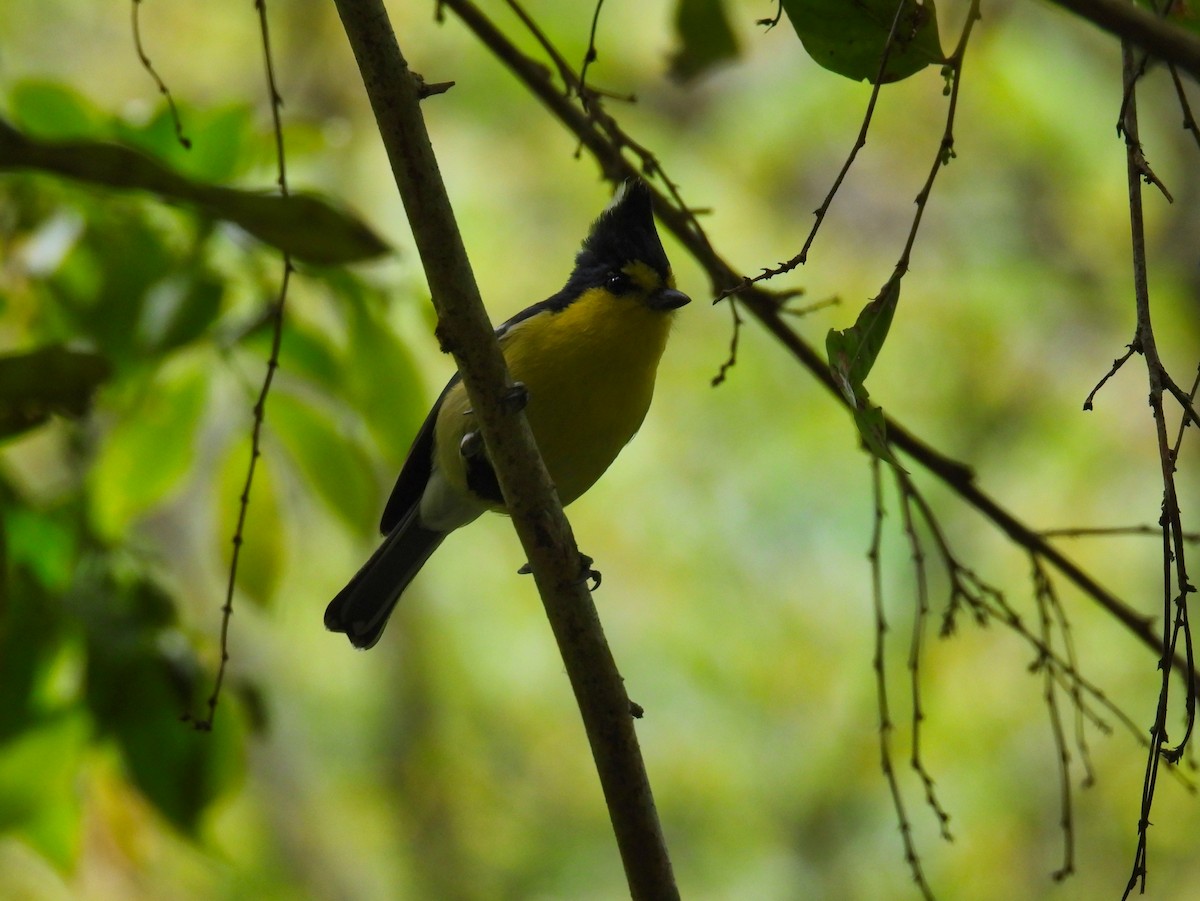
149 450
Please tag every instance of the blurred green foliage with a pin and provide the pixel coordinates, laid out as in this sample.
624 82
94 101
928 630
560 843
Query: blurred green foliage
448 762
56 120
706 38
122 309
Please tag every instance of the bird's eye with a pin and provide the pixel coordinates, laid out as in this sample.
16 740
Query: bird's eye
618 283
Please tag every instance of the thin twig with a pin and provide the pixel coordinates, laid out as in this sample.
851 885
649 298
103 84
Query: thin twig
1184 422
731 360
920 618
1106 531
987 603
590 56
184 141
1043 595
878 664
1189 121
820 212
1175 583
260 406
774 20
945 153
1120 361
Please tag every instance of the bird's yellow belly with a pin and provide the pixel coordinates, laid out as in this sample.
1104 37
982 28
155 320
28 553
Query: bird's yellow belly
589 373
590 377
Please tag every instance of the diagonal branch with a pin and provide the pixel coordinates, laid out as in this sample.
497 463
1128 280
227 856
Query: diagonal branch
765 308
537 516
1133 23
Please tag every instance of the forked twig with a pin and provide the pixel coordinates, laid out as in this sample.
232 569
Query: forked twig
859 143
1175 583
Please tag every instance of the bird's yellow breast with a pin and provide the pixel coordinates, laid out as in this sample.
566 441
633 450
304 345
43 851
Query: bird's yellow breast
589 371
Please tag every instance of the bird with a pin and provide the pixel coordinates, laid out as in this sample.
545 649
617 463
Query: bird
583 364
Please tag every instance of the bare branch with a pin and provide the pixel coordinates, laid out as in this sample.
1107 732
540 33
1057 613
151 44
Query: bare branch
885 717
1133 23
529 496
1175 622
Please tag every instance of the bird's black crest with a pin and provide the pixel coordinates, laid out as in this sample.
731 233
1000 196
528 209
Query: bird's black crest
624 232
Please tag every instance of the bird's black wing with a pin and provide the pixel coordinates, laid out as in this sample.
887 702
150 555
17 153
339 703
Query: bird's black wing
414 474
554 304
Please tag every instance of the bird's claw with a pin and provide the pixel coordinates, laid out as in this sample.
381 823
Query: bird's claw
586 572
515 397
471 444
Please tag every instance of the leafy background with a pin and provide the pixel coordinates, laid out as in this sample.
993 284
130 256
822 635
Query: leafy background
449 761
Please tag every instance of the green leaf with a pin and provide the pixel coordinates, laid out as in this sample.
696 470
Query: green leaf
39 795
311 227
32 645
307 351
180 310
852 353
140 677
40 542
137 697
872 428
48 380
260 563
107 303
706 38
219 139
850 37
149 450
338 471
51 110
307 225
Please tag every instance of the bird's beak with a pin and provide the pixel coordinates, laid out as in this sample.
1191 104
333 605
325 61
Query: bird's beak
668 299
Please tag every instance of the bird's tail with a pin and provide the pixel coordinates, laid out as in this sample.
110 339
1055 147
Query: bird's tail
361 609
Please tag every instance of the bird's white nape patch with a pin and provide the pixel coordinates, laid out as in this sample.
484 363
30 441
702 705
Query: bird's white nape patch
618 197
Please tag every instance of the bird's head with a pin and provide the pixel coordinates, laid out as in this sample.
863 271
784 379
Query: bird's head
624 255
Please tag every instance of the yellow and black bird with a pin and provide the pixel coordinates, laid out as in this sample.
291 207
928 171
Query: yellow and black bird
586 357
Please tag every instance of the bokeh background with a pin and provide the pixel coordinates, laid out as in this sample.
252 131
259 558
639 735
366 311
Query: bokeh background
449 762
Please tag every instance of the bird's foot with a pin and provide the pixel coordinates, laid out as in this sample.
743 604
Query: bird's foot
516 396
586 572
471 445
